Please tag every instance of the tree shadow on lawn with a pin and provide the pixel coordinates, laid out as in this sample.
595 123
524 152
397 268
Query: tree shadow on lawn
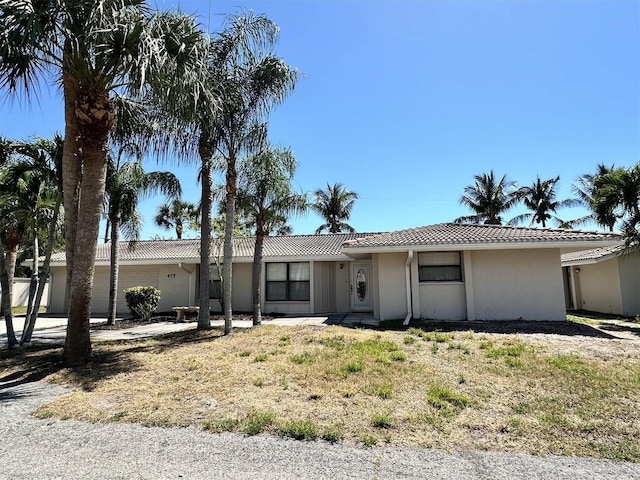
109 358
504 326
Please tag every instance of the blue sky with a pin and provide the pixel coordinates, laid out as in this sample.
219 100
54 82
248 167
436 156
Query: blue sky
404 101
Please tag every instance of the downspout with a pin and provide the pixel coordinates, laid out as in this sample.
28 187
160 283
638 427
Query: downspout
190 272
407 275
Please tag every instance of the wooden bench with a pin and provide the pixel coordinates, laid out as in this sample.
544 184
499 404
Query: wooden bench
180 311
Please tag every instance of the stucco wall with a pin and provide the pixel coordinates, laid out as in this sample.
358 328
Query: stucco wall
20 293
58 285
342 286
518 284
177 287
443 301
630 283
391 285
324 274
242 289
128 276
600 287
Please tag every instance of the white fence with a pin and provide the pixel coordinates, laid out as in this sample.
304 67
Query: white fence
21 293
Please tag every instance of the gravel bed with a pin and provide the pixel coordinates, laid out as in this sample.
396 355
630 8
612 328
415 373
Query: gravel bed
66 449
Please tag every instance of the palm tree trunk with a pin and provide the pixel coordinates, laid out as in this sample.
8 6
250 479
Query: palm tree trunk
114 270
10 258
204 317
71 174
30 323
94 134
257 270
231 181
6 299
33 284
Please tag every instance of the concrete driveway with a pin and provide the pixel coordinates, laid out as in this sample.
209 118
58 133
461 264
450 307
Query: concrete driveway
52 328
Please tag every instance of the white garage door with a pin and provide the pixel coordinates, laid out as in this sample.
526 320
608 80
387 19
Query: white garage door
129 276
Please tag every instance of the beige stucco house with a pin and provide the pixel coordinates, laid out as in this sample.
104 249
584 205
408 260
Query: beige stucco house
446 272
603 280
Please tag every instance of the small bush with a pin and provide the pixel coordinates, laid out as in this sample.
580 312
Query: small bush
142 301
261 357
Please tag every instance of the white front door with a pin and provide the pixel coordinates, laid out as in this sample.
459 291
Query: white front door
361 293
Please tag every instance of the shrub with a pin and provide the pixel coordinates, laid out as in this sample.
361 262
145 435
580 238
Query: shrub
142 301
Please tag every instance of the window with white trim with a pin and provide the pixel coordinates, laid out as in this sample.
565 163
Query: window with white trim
440 267
287 282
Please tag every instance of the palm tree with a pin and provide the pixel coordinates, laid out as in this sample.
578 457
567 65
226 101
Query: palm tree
540 198
126 184
585 189
488 198
102 52
246 81
619 190
334 204
266 197
176 215
7 150
41 169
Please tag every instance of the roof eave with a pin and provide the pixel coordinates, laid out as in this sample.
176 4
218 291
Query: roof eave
481 246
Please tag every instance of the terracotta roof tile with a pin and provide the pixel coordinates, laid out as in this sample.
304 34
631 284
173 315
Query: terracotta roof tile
466 234
335 245
189 250
593 254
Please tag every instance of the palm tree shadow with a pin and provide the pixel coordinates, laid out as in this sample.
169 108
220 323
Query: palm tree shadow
39 361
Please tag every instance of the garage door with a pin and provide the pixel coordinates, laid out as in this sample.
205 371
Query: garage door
129 276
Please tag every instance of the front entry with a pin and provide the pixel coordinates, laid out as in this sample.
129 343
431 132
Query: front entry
361 293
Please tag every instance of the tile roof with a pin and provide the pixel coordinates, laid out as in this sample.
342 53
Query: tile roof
189 250
337 245
472 234
592 255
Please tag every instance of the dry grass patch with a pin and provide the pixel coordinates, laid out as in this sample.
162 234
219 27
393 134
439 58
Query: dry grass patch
483 391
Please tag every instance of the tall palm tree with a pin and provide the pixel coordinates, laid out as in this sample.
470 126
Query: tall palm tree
489 198
585 189
540 199
246 81
100 51
251 84
176 215
620 189
126 184
266 197
334 204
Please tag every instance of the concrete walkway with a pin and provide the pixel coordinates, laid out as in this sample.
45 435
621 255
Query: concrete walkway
52 329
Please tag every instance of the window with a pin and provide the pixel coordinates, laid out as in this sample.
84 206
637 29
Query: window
439 267
288 282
